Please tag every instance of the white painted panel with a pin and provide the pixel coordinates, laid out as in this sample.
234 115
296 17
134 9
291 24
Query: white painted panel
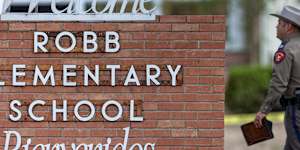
80 18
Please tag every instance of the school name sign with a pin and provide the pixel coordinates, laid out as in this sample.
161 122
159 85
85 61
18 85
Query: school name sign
75 10
90 42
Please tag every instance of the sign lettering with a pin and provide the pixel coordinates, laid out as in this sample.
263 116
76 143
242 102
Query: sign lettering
75 11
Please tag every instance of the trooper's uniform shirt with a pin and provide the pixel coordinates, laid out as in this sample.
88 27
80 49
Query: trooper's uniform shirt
285 79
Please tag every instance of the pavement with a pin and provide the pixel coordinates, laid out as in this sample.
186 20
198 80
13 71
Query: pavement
234 140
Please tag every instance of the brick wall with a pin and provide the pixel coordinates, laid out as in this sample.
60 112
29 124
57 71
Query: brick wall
188 116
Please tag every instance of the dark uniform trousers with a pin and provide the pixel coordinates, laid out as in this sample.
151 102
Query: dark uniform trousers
292 124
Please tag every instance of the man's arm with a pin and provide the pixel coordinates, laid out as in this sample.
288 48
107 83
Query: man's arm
278 85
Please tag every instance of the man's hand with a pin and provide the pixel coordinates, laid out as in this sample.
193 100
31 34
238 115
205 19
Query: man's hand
258 119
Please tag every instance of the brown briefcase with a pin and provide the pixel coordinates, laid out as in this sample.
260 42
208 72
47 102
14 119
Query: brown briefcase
255 135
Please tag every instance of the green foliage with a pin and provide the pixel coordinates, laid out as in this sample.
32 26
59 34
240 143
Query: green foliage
203 7
246 88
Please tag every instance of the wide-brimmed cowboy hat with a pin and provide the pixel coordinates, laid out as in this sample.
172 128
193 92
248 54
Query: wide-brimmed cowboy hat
289 13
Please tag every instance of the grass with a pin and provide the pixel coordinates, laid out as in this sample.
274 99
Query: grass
238 119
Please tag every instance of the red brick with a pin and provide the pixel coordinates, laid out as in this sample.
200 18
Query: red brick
185 27
3 26
48 132
173 142
49 26
217 124
21 44
105 27
28 35
171 89
218 141
210 134
103 133
156 97
11 53
198 36
198 89
219 88
219 19
200 19
192 97
184 133
147 106
199 142
15 35
35 124
138 36
185 45
152 35
19 26
158 44
132 45
173 19
158 27
125 36
171 106
171 35
157 115
212 27
4 44
171 124
204 71
219 36
211 80
145 35
77 27
218 106
201 124
210 115
132 27
188 116
3 35
157 133
197 106
146 124
212 45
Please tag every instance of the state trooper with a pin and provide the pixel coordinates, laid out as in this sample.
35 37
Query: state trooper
285 82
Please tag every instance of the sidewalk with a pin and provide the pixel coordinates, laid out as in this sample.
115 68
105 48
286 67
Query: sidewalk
234 139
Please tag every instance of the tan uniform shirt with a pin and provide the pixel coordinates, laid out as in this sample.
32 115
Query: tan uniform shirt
285 74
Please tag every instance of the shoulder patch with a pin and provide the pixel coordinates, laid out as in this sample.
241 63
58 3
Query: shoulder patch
279 57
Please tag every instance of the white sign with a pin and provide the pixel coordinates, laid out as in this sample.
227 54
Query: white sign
75 10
